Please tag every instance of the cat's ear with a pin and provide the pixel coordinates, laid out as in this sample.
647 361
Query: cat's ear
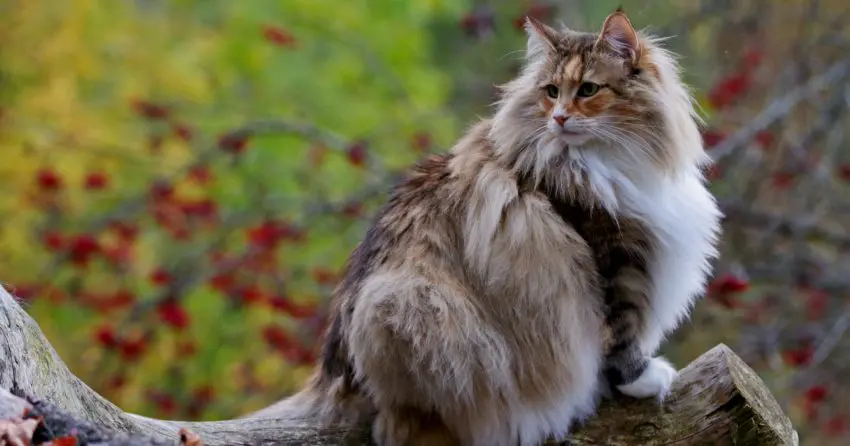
541 38
619 36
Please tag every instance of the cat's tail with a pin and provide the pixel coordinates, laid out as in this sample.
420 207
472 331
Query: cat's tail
324 401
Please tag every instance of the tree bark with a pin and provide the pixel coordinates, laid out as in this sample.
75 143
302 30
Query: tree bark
717 399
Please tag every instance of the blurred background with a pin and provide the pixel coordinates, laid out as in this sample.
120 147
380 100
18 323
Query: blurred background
184 179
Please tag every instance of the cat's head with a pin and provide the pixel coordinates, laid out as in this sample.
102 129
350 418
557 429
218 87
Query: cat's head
614 90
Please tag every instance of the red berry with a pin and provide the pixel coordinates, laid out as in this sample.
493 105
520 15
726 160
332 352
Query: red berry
96 181
105 304
728 283
173 314
82 249
299 355
844 172
53 240
265 235
122 298
816 394
421 141
120 254
271 232
23 292
799 356
48 180
201 398
233 143
280 303
357 153
204 393
160 277
352 209
116 381
182 131
126 231
163 401
712 137
279 36
468 22
105 336
284 305
222 282
782 180
161 191
167 405
200 174
276 337
724 289
205 208
764 138
302 311
150 110
251 294
518 23
728 90
324 276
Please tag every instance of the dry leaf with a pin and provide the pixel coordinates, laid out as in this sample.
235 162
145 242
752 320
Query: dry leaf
189 438
18 432
62 441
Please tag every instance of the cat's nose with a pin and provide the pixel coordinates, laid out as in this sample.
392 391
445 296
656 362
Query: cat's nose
560 119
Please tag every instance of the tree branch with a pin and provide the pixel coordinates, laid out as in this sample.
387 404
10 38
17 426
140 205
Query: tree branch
717 399
779 108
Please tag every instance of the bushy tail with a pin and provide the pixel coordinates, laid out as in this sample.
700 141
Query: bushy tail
321 401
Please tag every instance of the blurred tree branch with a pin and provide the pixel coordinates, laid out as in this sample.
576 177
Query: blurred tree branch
717 398
778 109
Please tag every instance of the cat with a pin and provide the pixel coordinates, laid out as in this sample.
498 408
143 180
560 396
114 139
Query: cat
509 284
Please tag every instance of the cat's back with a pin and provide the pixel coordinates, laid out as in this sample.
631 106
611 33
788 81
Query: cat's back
425 208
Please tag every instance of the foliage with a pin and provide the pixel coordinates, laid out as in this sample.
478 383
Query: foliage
179 188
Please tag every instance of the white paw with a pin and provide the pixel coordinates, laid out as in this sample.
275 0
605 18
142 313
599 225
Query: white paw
655 380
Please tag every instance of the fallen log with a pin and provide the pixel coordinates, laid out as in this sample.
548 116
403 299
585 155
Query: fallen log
717 399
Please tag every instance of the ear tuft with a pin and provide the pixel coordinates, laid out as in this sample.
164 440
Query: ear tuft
541 37
619 35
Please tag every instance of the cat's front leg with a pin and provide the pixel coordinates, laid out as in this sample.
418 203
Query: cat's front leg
627 368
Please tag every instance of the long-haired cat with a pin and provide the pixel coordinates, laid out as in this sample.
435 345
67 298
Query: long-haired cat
507 284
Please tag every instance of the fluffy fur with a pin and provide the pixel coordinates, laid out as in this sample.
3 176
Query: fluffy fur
505 284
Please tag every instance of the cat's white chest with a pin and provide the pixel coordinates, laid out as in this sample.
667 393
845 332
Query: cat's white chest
683 219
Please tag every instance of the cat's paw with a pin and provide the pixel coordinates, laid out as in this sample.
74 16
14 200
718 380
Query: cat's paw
654 382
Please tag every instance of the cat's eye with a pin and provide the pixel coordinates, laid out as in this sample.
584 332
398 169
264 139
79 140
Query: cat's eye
587 89
552 91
